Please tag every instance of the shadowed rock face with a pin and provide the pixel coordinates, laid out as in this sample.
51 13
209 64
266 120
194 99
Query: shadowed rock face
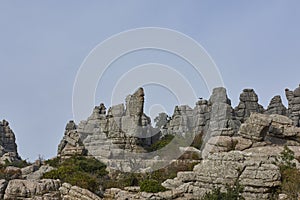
293 98
8 146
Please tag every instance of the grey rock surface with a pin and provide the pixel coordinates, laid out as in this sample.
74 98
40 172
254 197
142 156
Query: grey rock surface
8 146
23 189
276 106
71 143
293 98
248 104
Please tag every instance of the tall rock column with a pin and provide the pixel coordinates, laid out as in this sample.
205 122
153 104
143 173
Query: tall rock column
8 146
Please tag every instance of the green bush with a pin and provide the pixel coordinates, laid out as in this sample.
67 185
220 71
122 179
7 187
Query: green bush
290 176
153 186
232 193
54 162
123 180
161 143
78 170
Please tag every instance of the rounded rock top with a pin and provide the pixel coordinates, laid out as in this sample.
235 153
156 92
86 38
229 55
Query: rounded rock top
297 92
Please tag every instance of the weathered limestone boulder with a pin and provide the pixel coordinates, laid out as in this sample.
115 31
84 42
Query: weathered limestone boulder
38 174
255 172
293 98
276 129
276 106
128 193
25 189
8 146
256 127
248 104
71 143
70 192
13 172
225 144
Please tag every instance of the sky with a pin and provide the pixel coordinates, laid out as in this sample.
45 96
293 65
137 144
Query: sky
255 44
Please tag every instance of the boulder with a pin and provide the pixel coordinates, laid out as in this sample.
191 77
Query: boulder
22 189
255 172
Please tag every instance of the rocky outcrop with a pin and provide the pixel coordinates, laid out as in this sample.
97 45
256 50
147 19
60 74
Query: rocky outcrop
276 106
210 118
70 192
71 143
222 121
24 189
8 146
293 98
45 189
255 172
275 129
110 136
248 104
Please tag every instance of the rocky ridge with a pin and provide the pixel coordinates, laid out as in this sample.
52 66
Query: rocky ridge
242 145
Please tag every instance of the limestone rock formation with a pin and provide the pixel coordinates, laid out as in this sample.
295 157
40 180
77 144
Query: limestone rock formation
222 121
248 104
110 136
293 98
275 129
45 189
209 118
255 172
71 143
70 192
8 146
24 189
276 106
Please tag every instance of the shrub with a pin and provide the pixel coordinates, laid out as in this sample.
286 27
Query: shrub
290 176
54 162
78 170
123 180
161 143
232 193
153 186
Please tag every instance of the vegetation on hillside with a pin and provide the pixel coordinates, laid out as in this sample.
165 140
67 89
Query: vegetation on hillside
145 181
82 171
290 175
232 193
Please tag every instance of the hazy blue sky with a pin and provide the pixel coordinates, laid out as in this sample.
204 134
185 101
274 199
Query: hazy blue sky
255 44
